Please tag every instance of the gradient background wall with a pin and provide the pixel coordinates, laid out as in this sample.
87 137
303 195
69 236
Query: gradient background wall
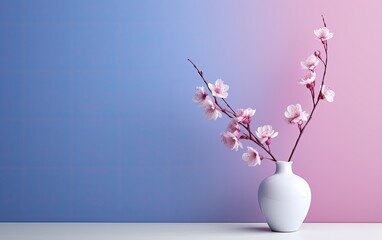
97 122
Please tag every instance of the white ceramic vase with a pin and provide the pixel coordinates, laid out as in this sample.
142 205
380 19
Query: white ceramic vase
284 199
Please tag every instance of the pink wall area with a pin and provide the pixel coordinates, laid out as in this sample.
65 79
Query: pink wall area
340 155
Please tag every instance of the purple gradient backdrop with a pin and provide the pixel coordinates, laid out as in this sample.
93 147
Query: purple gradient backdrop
339 154
97 122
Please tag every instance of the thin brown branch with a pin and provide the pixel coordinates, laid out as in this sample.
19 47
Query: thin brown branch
323 19
215 99
315 104
229 106
251 136
312 93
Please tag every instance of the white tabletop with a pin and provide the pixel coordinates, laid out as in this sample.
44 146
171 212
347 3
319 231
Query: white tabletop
194 231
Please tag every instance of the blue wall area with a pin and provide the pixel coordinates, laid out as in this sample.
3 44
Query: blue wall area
96 117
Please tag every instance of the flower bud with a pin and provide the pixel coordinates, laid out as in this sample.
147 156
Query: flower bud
268 142
310 85
317 53
261 157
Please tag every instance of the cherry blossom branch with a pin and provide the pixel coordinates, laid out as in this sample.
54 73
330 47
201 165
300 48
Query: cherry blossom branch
215 99
255 140
241 118
315 103
248 127
232 114
319 57
323 19
258 143
312 93
228 105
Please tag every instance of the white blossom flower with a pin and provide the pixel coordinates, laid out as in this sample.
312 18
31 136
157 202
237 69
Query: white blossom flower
265 133
231 141
294 114
327 93
252 157
323 34
310 62
245 115
219 89
308 78
233 126
211 110
200 96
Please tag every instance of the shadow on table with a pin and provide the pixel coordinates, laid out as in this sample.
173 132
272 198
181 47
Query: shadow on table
266 231
253 229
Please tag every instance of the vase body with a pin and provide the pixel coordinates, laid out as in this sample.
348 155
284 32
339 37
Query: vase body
284 199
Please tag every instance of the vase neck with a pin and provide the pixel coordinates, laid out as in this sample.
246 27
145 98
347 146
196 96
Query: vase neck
284 167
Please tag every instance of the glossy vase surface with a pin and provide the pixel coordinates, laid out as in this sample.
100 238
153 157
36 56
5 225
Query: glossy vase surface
284 199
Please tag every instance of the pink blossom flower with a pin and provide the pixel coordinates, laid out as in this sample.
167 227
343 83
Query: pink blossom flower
308 78
219 89
200 96
327 93
233 126
211 110
252 157
294 114
231 141
265 133
323 34
244 115
310 62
